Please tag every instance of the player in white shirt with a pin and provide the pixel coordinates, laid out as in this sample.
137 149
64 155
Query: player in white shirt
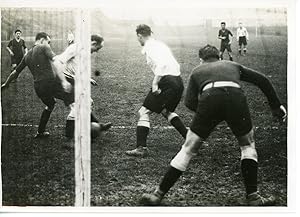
69 68
166 91
242 37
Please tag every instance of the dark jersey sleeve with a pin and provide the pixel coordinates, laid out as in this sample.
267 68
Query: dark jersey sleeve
21 66
230 33
49 53
260 80
9 44
191 95
23 44
220 33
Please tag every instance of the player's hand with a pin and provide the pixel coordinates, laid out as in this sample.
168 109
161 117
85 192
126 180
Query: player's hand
156 92
229 42
12 54
280 113
93 82
67 87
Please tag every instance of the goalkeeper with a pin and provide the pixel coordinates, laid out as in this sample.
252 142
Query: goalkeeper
214 94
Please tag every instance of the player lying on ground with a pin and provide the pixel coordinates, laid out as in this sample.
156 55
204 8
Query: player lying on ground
166 92
68 65
48 85
218 85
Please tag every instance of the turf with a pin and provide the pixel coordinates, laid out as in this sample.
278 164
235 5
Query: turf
41 172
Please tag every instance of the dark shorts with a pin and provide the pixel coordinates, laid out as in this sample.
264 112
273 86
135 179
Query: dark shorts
49 90
225 45
171 92
222 104
242 40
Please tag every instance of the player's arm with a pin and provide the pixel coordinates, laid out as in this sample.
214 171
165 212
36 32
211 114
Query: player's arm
14 74
191 95
155 88
25 48
8 48
247 34
260 80
220 35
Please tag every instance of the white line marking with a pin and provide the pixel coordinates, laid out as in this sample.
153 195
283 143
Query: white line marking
125 127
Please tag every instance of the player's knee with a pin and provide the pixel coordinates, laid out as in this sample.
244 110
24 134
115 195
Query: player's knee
144 119
248 152
187 152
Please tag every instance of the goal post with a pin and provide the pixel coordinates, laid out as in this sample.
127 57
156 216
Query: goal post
0 117
83 109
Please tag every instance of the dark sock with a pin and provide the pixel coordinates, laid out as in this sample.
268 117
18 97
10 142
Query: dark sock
230 58
171 176
240 52
44 120
141 136
93 118
70 128
179 126
249 173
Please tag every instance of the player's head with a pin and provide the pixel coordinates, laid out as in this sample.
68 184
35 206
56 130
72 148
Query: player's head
18 33
143 32
42 38
97 42
208 52
223 25
240 24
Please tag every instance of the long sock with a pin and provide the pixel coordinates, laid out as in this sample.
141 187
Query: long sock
179 126
70 128
249 173
44 120
171 176
93 118
141 136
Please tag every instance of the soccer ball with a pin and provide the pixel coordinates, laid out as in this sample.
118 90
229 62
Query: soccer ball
95 130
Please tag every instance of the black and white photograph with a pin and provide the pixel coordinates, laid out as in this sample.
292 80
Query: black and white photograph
147 105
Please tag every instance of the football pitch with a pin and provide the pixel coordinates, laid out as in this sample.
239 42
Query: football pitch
41 172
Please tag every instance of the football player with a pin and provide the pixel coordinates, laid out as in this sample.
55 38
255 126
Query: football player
166 91
69 67
48 84
218 85
15 48
225 41
242 38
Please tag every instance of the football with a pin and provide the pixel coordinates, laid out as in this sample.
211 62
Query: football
95 130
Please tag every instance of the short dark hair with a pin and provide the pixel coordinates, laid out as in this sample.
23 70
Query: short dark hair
144 30
41 35
208 52
98 39
18 30
223 23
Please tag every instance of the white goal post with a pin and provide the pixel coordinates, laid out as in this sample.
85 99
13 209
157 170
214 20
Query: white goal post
83 109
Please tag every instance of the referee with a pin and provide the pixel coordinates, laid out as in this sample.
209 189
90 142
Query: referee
221 99
166 92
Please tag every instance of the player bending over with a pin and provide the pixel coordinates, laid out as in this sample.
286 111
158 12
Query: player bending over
48 84
68 65
218 85
166 92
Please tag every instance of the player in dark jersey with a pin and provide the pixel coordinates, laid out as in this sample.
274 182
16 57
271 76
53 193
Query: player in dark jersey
15 48
48 84
213 85
225 41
